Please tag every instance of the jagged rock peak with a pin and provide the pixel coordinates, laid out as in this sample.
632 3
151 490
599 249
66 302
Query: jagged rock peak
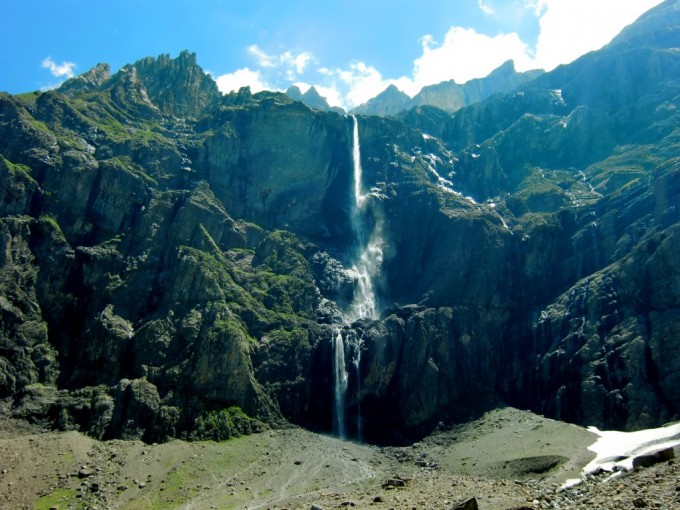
389 102
447 95
294 92
507 67
176 86
89 80
311 98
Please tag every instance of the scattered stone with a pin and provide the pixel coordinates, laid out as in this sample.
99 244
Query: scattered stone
85 472
391 483
466 504
316 507
653 458
378 499
639 503
297 462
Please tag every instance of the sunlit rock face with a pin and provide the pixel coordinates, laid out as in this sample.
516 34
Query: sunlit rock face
179 263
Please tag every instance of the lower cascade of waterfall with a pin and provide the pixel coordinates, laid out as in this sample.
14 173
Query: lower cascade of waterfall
340 379
346 353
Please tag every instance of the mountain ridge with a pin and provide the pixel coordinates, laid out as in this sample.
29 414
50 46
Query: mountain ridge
182 263
448 95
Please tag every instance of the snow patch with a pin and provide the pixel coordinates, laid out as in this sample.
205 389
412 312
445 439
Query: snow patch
557 93
615 450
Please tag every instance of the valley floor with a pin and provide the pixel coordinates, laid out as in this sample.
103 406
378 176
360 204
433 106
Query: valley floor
506 459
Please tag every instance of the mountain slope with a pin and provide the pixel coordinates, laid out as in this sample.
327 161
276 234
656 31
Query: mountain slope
181 263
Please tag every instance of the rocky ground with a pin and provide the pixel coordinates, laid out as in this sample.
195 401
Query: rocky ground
506 459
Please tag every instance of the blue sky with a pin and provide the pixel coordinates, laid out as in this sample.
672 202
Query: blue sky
350 49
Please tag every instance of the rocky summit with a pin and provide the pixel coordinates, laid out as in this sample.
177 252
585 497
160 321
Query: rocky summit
179 263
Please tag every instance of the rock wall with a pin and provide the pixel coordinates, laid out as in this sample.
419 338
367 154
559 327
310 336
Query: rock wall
173 258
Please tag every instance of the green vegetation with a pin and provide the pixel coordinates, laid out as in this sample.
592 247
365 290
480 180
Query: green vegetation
15 168
59 498
224 424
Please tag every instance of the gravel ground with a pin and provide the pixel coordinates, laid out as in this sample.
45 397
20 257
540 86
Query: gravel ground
506 459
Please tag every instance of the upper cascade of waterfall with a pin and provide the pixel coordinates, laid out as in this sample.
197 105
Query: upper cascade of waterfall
359 198
367 266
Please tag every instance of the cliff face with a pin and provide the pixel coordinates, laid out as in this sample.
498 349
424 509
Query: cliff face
171 254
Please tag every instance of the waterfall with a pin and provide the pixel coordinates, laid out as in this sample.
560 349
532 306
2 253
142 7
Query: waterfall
356 362
339 384
367 267
346 353
359 198
364 269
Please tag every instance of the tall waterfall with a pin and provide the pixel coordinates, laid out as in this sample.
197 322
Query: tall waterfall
347 351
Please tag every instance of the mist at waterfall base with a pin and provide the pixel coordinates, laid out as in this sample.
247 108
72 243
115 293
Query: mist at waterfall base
365 268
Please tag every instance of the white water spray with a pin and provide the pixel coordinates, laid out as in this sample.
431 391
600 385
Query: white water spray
339 384
359 198
367 267
356 362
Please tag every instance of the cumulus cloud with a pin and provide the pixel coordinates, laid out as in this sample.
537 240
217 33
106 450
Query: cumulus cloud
569 29
63 70
242 78
270 69
361 81
332 95
466 54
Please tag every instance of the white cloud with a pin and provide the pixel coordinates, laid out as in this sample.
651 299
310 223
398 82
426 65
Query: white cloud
537 6
263 59
65 69
571 28
303 86
485 7
466 54
332 95
356 85
297 63
242 78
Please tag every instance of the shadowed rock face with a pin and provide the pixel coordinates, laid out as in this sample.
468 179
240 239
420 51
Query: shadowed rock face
176 263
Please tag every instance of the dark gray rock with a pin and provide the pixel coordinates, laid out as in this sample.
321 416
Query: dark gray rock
466 504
